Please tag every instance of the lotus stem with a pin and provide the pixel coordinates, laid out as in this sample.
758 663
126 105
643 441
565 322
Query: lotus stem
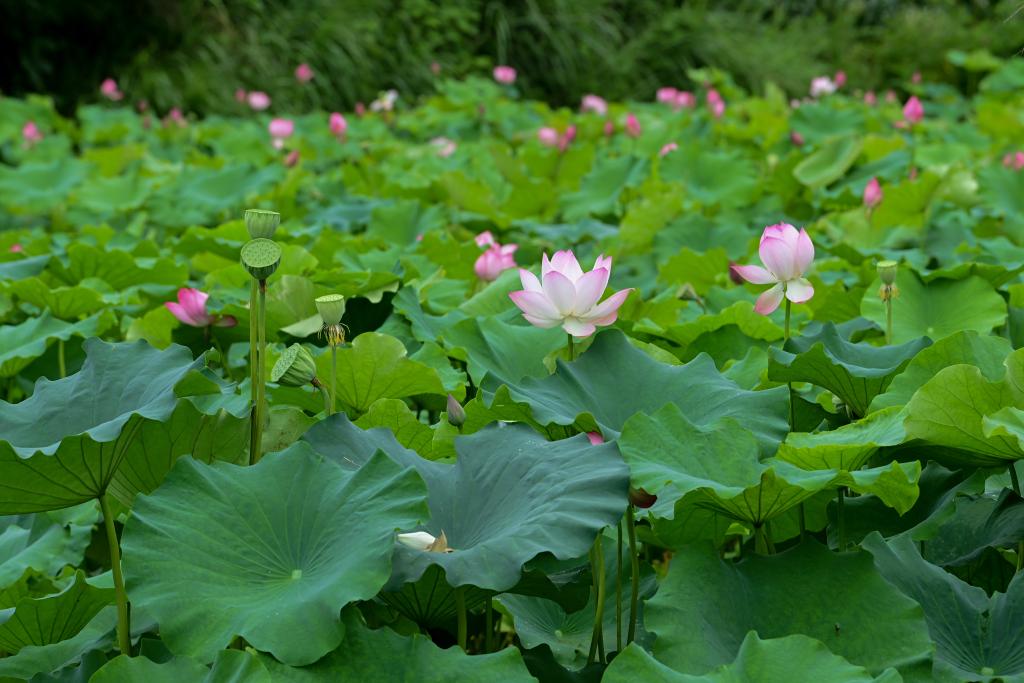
261 370
597 568
760 539
334 379
803 522
326 394
789 385
254 320
888 318
634 561
618 586
124 633
572 348
841 517
785 331
489 626
1015 482
460 609
60 359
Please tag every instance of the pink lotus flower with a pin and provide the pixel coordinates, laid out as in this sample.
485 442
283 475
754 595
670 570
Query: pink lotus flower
840 78
175 117
632 126
30 133
667 95
258 100
870 98
595 438
240 95
787 254
715 103
495 260
872 193
16 248
1014 160
485 239
280 129
109 89
668 148
566 138
685 100
338 125
548 136
292 158
568 296
609 128
190 308
445 147
822 85
796 138
913 111
594 104
505 75
303 73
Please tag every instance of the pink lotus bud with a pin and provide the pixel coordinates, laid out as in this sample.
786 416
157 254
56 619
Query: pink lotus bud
505 75
786 253
872 193
281 128
593 104
870 98
890 96
840 78
360 109
494 261
338 125
567 297
715 103
109 89
609 128
796 138
595 438
174 116
685 100
258 100
190 308
455 412
566 138
16 248
1018 161
485 239
303 73
668 148
667 95
292 159
548 136
30 133
240 95
632 126
913 111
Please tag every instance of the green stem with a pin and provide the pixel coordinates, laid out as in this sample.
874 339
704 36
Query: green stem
634 560
841 517
761 539
785 330
1015 482
618 586
261 382
803 523
460 610
334 379
223 357
489 626
326 394
572 348
124 634
597 638
789 385
60 359
254 362
888 316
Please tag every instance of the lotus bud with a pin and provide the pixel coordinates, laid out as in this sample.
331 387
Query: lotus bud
887 271
331 308
295 367
421 540
640 498
261 257
261 223
456 413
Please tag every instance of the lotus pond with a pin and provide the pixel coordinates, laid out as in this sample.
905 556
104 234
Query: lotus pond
717 387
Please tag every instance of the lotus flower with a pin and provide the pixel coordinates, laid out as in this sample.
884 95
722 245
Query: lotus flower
890 96
822 85
870 98
594 104
1014 160
787 254
360 109
338 125
566 138
175 117
667 95
190 308
496 259
505 75
796 138
258 100
686 99
240 94
668 148
913 111
445 147
872 193
548 136
303 73
30 133
385 101
109 89
840 78
715 103
16 248
595 438
280 129
609 128
568 296
632 126
292 159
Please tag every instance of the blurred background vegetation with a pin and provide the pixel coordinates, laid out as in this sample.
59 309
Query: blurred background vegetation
195 53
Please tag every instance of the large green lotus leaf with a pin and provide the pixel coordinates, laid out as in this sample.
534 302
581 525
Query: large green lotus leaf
953 410
33 659
510 497
600 189
68 303
829 163
717 468
119 269
613 380
936 309
109 196
506 350
977 637
847 448
856 373
36 188
21 344
270 552
375 366
24 267
979 522
705 607
712 176
63 445
204 195
970 348
396 416
45 542
740 314
46 620
430 601
231 666
383 655
792 659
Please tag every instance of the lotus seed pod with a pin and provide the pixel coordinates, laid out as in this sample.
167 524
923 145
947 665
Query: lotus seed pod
887 271
295 367
261 257
456 413
261 223
331 308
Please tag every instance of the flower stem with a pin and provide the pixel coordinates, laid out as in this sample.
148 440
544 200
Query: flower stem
327 397
460 609
789 385
334 379
841 517
618 586
124 634
572 348
254 320
261 385
634 560
597 564
60 359
786 329
1015 482
489 626
888 315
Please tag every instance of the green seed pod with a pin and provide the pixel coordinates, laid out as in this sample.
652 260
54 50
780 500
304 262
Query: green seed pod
331 308
887 271
261 257
295 367
261 223
456 413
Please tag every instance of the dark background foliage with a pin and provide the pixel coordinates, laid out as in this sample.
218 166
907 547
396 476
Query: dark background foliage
195 53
